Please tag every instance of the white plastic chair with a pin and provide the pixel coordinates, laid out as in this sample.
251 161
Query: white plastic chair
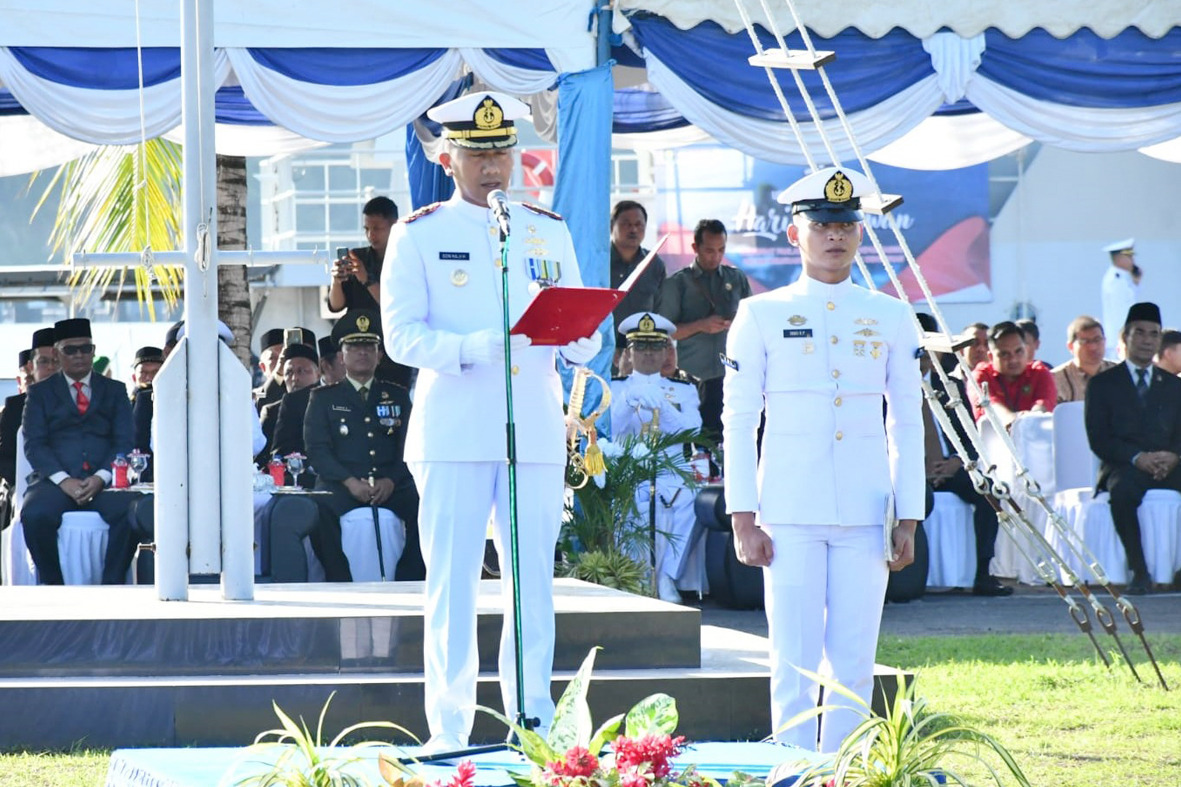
951 543
1089 520
1032 435
82 547
360 543
1075 464
19 568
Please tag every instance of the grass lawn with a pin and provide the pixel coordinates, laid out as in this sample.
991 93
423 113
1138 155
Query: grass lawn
1067 720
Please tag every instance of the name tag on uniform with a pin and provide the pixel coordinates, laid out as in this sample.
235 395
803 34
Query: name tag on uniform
454 255
797 333
341 408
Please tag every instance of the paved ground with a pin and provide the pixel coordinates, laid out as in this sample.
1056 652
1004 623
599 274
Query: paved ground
1028 611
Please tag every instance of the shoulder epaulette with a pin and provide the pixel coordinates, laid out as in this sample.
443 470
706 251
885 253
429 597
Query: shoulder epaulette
426 210
681 376
541 211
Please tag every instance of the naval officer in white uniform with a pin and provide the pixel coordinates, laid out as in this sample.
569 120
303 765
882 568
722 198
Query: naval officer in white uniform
441 305
634 399
1121 288
820 357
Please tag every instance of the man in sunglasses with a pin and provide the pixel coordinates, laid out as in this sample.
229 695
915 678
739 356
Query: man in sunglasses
75 424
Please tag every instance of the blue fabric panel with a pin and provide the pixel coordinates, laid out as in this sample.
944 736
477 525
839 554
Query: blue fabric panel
714 63
624 56
9 105
644 110
961 107
99 69
1084 70
231 106
345 66
582 192
532 59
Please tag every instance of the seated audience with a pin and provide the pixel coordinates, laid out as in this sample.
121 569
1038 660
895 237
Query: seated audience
148 361
1169 357
1014 385
270 346
355 431
975 353
1033 341
946 472
331 362
41 364
300 366
75 424
1085 340
1133 416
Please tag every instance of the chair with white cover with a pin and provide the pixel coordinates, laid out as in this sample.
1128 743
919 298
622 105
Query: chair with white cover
82 547
1032 435
19 568
951 543
360 543
1075 464
1089 519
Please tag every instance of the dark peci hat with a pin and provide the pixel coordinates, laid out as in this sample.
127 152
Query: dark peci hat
24 357
1143 312
44 337
148 355
76 328
328 348
298 351
173 335
358 325
271 338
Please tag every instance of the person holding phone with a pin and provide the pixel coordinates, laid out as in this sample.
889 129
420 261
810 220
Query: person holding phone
356 274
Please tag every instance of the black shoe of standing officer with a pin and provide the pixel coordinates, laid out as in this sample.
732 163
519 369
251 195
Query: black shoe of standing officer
991 586
1141 584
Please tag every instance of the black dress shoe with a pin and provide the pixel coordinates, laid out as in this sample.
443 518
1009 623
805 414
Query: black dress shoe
991 586
1141 585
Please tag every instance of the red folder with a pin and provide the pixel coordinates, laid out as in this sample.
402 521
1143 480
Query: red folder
559 315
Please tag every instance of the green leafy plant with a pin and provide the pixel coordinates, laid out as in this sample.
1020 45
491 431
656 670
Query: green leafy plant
911 746
605 518
305 760
575 753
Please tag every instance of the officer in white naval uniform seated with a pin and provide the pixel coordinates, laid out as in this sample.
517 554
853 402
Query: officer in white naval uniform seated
1121 288
633 401
441 305
820 357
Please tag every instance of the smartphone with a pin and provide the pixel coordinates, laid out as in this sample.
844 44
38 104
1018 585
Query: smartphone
292 336
342 253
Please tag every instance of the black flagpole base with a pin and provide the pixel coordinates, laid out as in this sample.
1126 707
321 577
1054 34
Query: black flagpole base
457 754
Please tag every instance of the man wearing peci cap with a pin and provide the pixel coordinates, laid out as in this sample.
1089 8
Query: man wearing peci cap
331 362
75 424
1133 416
270 346
645 401
147 363
41 363
821 357
355 431
442 263
299 365
1121 289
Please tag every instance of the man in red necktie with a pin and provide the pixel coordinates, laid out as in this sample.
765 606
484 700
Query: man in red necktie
75 424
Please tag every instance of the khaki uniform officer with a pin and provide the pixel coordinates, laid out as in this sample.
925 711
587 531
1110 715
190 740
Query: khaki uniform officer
819 357
441 304
634 400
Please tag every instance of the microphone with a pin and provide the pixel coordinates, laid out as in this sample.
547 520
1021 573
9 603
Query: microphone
498 202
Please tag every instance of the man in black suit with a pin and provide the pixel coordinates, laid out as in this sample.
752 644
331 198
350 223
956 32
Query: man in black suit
75 424
945 469
300 367
1133 416
355 431
148 361
270 347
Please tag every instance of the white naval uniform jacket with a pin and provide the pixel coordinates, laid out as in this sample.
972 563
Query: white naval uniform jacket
820 358
440 282
679 410
1119 293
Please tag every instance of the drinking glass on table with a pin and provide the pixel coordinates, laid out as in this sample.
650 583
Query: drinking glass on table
295 465
139 463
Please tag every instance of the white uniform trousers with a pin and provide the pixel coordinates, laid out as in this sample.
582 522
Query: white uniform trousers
675 519
824 592
456 500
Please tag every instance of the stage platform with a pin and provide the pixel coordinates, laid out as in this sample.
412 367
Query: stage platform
217 767
115 667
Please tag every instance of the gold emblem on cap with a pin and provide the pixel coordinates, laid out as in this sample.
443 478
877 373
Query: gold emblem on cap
797 319
838 188
459 277
488 115
647 324
363 324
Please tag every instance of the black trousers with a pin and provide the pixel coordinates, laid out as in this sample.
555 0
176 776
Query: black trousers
711 407
41 516
1127 487
984 520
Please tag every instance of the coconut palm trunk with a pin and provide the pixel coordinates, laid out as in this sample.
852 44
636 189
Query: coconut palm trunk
233 290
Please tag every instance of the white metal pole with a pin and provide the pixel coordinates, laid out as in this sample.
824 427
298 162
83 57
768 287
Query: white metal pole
170 440
237 499
200 235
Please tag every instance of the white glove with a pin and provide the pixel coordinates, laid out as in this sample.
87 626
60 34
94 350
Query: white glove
648 397
487 346
579 351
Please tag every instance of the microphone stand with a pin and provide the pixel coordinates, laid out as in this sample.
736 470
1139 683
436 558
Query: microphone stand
515 558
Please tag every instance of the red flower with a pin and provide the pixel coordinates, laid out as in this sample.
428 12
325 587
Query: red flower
653 751
465 775
578 763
